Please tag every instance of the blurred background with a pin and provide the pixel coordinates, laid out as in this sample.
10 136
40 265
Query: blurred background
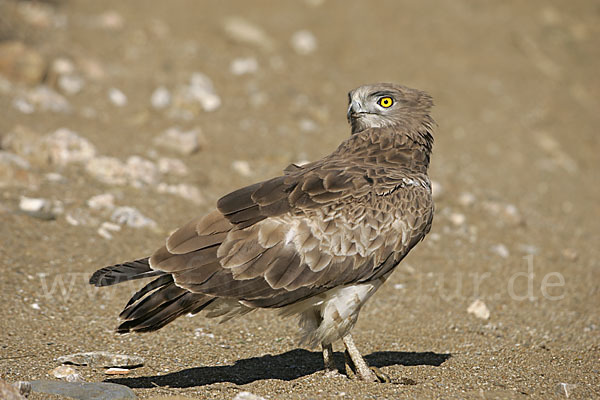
121 120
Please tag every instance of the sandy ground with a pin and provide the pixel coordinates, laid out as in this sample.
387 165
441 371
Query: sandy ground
517 94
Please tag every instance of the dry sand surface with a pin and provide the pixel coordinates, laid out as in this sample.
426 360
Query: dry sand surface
261 84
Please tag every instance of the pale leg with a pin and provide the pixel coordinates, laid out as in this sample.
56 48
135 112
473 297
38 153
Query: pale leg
328 358
357 367
361 369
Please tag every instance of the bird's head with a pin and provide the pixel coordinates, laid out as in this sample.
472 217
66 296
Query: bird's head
389 105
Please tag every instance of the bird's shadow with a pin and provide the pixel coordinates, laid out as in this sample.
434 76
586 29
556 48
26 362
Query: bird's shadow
285 366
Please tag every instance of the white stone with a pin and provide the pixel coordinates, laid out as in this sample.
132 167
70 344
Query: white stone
188 192
117 97
242 167
500 250
479 309
243 31
131 217
243 65
117 371
70 84
201 89
102 201
141 171
308 125
64 146
457 219
63 66
466 199
172 166
185 142
110 20
247 396
109 170
304 42
30 204
161 98
23 105
47 99
66 373
105 233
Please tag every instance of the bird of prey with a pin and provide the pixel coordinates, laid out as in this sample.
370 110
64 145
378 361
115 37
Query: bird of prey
316 242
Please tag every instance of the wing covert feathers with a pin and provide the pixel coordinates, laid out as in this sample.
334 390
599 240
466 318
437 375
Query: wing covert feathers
346 219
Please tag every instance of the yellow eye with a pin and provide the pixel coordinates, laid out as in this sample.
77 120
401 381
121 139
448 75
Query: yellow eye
385 102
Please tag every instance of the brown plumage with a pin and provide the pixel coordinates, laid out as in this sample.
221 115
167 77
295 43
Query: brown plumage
317 241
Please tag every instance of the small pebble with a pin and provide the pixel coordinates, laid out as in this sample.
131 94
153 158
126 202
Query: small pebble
117 97
457 219
111 227
500 250
40 208
304 42
161 98
570 254
70 84
80 217
35 306
23 105
102 201
110 20
131 217
479 309
308 125
62 66
242 167
172 166
106 228
242 66
66 373
109 170
47 99
184 142
247 396
201 89
104 233
141 171
243 31
466 199
29 204
188 192
117 371
65 146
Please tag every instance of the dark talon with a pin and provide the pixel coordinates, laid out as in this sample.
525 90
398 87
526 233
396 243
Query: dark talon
381 376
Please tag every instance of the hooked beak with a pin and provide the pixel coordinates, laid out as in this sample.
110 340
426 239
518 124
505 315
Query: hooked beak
354 108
